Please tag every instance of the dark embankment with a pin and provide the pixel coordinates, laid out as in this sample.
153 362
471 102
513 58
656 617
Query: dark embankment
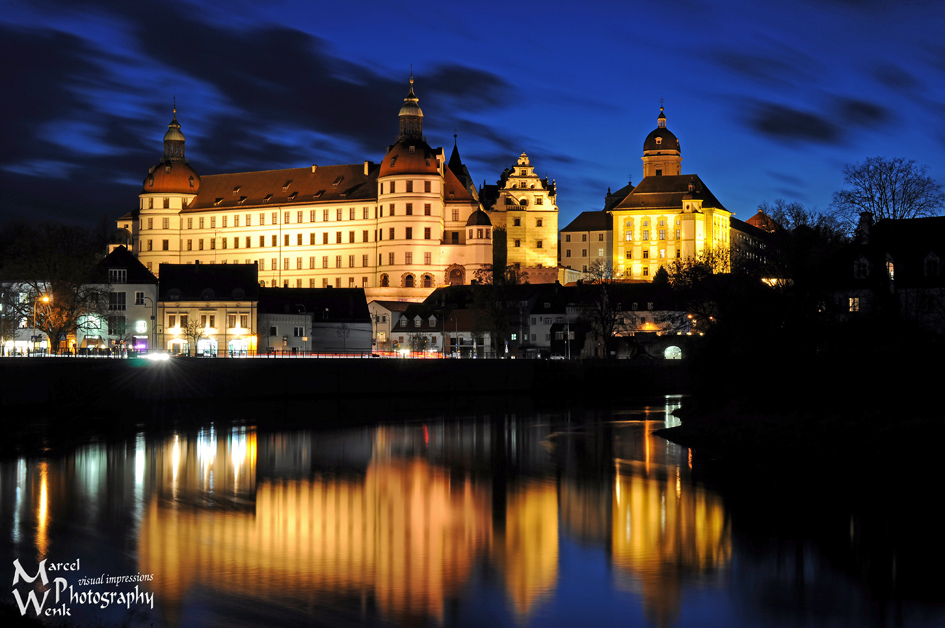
51 402
866 405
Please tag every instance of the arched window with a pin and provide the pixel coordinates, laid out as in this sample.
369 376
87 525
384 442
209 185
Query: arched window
385 281
408 281
427 281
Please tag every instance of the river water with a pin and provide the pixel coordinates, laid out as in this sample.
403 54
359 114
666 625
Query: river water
563 518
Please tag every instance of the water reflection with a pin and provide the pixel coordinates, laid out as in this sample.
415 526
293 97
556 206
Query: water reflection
499 519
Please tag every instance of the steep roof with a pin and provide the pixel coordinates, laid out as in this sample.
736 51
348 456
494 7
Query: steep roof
267 188
209 282
668 192
592 221
122 258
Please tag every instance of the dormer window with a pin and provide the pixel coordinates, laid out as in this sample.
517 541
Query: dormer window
287 184
335 183
267 198
659 141
242 200
412 150
191 182
217 201
236 190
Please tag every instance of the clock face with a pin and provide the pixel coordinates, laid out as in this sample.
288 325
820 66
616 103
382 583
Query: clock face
141 327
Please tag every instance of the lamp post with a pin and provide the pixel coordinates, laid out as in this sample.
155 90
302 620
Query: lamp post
45 299
152 337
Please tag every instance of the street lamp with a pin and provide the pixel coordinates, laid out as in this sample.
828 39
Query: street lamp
45 299
152 337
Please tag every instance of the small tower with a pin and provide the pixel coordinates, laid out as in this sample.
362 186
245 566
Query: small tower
411 117
661 152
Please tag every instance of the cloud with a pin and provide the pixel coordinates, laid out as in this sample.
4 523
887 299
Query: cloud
860 112
895 77
46 66
792 125
787 68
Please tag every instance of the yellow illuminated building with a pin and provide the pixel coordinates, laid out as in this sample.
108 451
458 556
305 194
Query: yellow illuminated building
668 216
526 209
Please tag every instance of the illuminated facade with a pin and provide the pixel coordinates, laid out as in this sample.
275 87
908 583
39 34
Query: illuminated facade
668 216
398 228
525 208
207 309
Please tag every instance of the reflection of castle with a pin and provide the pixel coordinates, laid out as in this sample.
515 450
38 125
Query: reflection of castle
663 532
386 524
406 535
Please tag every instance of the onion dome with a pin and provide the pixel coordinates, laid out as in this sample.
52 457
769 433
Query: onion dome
661 138
479 218
173 174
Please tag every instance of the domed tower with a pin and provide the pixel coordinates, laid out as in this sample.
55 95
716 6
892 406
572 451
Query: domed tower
478 241
410 203
661 153
169 187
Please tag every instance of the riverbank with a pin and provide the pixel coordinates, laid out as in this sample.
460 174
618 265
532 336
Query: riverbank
73 382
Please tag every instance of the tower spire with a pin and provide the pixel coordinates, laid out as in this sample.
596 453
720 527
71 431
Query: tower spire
174 140
411 116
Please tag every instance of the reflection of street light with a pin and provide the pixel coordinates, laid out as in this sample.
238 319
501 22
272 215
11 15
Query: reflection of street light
45 299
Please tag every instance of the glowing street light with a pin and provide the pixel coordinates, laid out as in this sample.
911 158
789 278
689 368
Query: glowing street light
45 299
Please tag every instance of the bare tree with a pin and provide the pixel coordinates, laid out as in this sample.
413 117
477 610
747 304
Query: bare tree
495 299
193 332
343 331
888 188
55 267
599 271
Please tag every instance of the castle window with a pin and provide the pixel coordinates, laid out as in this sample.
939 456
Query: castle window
539 201
538 222
538 244
517 222
410 186
426 187
659 172
518 244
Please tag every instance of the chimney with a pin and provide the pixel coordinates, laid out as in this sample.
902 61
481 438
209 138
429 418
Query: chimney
864 226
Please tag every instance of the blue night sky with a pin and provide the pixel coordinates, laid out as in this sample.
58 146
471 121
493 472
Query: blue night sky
768 101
